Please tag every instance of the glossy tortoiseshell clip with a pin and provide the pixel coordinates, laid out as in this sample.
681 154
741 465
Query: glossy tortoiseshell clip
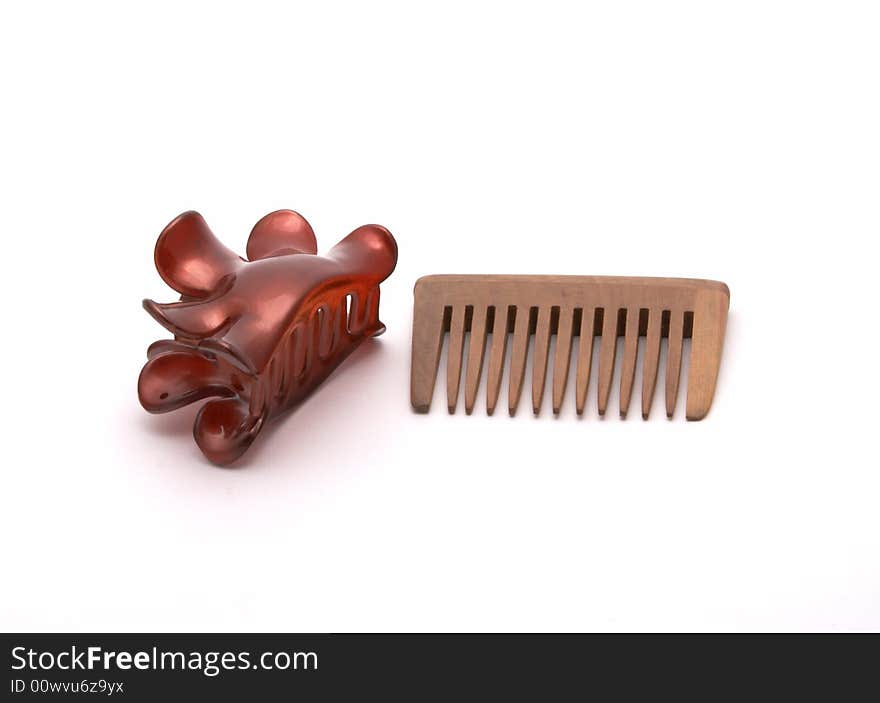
258 335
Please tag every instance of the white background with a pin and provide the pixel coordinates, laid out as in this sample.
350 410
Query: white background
735 141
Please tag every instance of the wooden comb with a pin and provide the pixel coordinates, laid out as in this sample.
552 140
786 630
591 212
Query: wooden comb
567 306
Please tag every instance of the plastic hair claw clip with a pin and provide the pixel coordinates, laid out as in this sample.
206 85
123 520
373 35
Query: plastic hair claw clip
257 335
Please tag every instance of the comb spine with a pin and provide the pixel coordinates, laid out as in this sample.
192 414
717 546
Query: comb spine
496 358
542 350
673 360
562 359
427 341
454 354
518 357
607 353
630 352
651 362
707 340
475 357
585 358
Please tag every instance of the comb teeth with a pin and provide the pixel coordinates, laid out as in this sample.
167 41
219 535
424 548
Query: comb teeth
525 312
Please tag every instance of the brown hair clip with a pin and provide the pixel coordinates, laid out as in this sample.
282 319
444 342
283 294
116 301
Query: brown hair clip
259 335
